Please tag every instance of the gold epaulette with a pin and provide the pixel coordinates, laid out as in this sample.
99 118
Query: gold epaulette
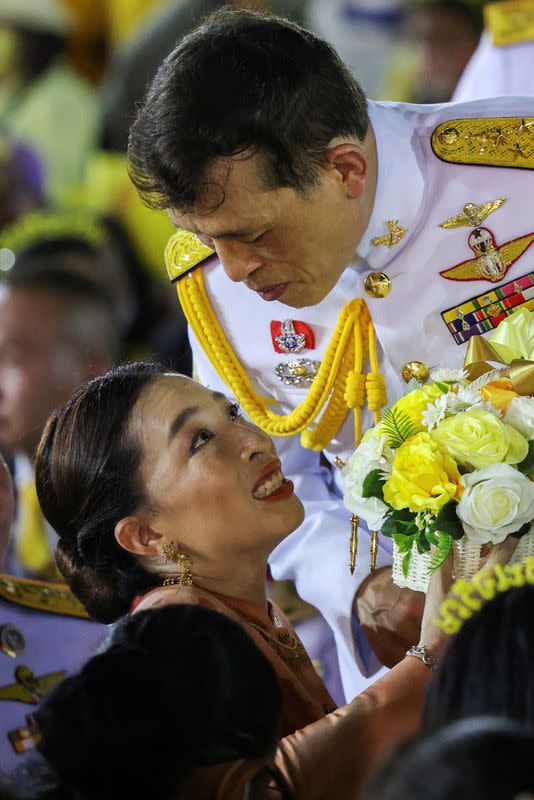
183 253
488 142
510 22
54 598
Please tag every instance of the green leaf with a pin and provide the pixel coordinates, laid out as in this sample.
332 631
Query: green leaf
373 484
442 551
397 426
423 545
527 465
446 512
523 530
406 563
389 526
399 522
443 386
403 542
447 521
431 537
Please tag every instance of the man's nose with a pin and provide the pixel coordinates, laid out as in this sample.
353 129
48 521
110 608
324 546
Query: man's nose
238 259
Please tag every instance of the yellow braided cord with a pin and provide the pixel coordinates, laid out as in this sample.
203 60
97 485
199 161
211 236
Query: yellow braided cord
338 384
375 384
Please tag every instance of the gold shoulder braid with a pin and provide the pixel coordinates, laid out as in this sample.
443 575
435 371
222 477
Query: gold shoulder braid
339 385
467 597
510 22
490 142
54 598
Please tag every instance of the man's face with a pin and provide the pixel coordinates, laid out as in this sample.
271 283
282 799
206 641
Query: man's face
39 371
280 243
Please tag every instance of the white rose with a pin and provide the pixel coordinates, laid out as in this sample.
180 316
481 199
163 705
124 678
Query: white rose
520 415
369 455
497 501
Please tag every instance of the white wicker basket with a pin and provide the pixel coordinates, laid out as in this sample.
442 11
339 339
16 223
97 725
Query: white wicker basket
467 561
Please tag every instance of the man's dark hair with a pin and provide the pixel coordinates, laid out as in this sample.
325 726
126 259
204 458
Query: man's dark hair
243 83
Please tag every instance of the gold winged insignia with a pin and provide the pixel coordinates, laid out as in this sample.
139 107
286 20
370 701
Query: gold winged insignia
492 262
29 688
395 235
54 598
183 253
473 215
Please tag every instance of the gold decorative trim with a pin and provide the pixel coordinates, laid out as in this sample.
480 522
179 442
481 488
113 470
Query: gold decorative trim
489 142
55 598
510 22
183 253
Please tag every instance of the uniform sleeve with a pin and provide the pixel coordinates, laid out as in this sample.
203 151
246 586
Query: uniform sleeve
316 556
334 756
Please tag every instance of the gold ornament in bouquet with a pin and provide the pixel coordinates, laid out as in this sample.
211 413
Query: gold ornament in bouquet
451 464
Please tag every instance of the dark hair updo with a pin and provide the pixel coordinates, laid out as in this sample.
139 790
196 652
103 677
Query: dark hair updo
179 687
87 479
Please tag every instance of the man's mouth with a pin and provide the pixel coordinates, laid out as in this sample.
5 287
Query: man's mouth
272 485
274 292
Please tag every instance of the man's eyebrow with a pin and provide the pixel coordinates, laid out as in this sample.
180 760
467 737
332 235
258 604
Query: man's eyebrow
180 420
218 396
239 234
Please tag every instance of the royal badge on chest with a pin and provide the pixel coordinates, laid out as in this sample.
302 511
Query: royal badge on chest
492 260
291 336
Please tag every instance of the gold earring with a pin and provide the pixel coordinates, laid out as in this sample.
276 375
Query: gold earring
173 556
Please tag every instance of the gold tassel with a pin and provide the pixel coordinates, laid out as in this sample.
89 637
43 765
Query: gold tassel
354 522
374 549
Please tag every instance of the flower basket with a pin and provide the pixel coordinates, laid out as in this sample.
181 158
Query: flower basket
451 464
467 561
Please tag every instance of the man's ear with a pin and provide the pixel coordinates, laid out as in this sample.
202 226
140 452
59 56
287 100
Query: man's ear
137 537
351 164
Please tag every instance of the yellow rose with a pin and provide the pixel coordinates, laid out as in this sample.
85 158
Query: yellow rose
423 476
477 438
412 405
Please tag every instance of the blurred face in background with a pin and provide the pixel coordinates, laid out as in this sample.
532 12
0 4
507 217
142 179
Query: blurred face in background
446 37
39 367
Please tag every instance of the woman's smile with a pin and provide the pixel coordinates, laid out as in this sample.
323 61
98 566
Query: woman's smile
272 485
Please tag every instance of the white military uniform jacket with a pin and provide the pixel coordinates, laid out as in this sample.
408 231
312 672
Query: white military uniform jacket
421 191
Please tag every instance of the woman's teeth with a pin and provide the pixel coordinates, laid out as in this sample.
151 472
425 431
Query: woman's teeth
269 485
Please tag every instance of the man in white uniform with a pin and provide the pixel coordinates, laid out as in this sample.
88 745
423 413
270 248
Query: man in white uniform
259 142
503 63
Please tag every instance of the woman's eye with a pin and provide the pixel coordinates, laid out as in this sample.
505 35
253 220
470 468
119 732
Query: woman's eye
200 438
234 411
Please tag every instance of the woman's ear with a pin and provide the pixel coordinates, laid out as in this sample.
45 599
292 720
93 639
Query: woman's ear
137 537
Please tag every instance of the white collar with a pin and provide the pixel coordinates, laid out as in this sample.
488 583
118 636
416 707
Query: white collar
400 181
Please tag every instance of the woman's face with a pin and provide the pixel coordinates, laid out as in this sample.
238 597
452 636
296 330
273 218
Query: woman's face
213 478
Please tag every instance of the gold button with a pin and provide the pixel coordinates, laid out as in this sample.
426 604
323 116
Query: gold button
377 285
415 369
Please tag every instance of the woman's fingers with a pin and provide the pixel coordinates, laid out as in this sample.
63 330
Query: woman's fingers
502 553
